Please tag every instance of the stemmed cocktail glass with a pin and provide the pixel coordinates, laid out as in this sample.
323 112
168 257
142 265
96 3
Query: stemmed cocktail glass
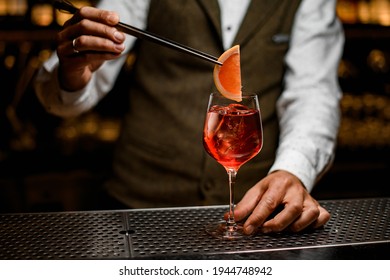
232 135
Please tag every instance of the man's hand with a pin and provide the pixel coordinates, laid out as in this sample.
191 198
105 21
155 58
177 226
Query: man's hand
280 188
88 39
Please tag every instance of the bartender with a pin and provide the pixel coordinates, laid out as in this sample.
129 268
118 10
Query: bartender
290 52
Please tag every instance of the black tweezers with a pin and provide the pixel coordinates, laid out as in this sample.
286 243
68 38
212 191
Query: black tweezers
64 5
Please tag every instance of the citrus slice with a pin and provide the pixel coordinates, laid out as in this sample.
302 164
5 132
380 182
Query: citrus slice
227 78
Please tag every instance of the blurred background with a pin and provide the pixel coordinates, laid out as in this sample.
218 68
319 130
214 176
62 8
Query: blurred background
51 164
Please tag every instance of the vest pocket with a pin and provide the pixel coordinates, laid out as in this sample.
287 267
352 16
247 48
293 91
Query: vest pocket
281 38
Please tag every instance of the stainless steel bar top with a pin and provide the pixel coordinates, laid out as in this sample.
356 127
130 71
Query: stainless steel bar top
358 229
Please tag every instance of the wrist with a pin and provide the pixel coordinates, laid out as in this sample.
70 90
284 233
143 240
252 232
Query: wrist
71 80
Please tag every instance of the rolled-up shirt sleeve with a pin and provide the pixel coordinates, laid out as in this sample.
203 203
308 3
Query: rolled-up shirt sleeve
308 108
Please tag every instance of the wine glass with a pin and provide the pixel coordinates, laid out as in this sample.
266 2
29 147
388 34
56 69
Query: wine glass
232 135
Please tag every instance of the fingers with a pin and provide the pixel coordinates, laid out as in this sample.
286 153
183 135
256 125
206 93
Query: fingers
295 216
90 44
106 17
292 211
248 202
266 206
94 14
94 22
280 191
308 217
306 214
274 193
322 219
91 30
90 36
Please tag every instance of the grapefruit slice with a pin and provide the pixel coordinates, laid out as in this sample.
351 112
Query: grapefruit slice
227 78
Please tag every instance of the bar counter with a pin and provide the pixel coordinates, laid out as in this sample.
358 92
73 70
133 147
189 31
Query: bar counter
358 229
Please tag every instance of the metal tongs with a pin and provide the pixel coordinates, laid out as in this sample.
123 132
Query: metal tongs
66 6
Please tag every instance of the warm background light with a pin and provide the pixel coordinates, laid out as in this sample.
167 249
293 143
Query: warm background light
364 11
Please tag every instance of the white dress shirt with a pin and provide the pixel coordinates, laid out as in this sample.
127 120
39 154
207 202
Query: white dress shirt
308 109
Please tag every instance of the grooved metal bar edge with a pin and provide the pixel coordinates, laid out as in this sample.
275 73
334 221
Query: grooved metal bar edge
176 232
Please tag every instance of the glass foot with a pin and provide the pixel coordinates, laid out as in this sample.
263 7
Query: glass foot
220 230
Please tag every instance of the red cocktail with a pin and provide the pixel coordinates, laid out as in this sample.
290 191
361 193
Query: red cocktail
232 135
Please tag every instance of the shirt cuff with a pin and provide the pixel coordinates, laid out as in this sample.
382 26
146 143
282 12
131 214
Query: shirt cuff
56 100
297 164
74 97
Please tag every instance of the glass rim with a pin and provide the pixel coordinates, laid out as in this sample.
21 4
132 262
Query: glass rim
244 95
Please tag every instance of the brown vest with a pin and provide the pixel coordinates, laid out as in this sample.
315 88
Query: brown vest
160 160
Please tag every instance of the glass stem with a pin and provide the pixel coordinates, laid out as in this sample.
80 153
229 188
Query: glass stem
231 222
